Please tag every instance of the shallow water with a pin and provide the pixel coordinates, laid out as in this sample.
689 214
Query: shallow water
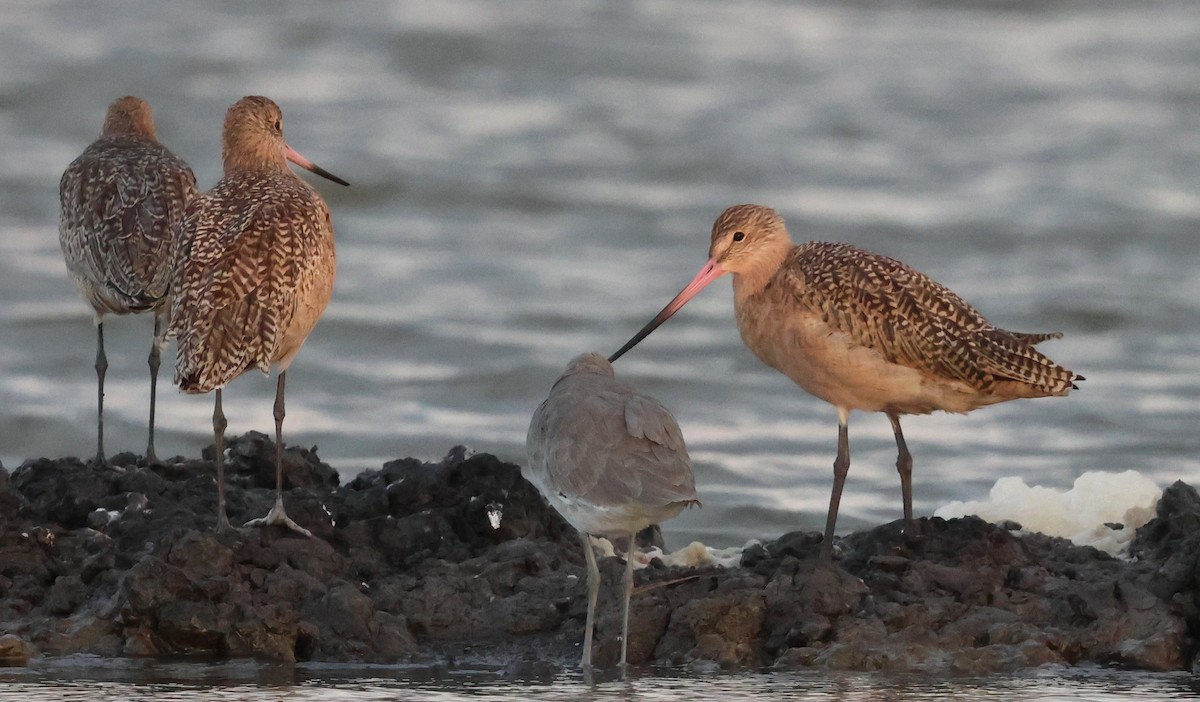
537 179
80 679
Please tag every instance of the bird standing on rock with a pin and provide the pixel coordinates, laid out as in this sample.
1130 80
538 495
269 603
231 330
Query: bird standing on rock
120 204
611 461
863 332
254 274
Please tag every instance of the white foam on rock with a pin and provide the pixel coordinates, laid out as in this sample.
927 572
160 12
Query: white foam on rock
694 554
697 554
1078 514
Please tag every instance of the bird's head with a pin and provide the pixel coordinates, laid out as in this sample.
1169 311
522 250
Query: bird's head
750 241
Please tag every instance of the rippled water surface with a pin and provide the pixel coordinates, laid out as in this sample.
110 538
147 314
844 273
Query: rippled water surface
77 680
532 179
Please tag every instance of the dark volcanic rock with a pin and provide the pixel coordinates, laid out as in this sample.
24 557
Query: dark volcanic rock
461 557
13 651
1169 549
124 560
252 464
10 503
63 492
972 596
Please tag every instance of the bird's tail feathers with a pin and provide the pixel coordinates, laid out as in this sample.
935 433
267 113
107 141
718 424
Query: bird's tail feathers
1033 339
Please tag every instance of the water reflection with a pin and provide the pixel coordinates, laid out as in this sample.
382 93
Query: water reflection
79 679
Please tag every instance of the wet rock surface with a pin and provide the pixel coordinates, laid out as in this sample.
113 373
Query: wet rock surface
460 558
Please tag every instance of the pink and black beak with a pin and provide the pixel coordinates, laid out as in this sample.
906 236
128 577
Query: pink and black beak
710 272
295 157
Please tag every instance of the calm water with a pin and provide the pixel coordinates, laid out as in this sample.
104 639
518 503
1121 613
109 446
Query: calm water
532 179
77 680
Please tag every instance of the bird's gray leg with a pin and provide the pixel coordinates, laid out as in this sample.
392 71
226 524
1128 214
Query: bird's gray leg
154 361
628 591
278 515
219 426
593 586
841 466
903 466
101 369
279 413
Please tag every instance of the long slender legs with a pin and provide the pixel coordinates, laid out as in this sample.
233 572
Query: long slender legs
154 361
279 413
628 592
278 515
593 589
593 584
903 466
841 466
219 425
101 369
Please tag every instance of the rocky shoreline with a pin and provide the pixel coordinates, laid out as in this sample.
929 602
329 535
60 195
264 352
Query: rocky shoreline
461 559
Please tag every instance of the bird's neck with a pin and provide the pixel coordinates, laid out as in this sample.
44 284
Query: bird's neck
126 123
753 276
253 156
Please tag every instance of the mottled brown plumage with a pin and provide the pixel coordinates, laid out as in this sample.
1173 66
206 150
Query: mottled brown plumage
611 461
121 203
255 269
256 273
864 332
907 319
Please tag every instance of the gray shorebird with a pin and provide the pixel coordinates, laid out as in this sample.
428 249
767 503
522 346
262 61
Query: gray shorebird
254 273
611 461
863 332
120 204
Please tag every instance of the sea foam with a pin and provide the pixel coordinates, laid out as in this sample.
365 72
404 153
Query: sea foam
1082 514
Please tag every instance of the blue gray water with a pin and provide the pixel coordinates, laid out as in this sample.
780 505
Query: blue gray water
532 179
72 680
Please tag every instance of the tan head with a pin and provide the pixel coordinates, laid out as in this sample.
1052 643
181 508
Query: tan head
253 139
749 241
129 115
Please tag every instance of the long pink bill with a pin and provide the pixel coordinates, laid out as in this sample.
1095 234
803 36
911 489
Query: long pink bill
710 272
295 157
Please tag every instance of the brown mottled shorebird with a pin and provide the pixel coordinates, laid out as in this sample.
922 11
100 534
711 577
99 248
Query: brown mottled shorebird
120 203
612 462
254 273
863 332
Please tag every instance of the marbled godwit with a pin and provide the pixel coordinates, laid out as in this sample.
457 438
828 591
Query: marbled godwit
612 462
863 332
255 271
120 203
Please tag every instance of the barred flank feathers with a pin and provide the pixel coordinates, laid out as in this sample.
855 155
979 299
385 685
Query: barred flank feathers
121 202
256 267
914 321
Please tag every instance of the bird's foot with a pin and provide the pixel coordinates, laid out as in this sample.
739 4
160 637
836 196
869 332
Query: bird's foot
223 525
100 461
833 552
913 533
277 516
152 458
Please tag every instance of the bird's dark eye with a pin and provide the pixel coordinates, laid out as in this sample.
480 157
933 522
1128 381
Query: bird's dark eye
738 236
278 125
